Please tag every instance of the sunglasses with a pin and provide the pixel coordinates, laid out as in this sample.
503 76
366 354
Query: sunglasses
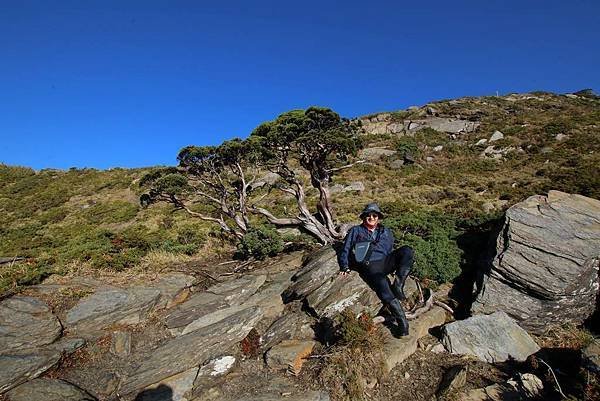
372 215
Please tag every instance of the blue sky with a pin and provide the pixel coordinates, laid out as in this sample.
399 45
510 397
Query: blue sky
128 83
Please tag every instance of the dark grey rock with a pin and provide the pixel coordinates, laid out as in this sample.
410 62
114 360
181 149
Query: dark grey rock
107 307
216 303
491 338
22 366
295 325
326 292
182 353
43 389
26 322
545 270
170 286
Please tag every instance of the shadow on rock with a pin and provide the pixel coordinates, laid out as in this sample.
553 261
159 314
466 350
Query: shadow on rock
161 393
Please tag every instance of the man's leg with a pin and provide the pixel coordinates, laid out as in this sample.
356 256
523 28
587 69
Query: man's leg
376 276
402 260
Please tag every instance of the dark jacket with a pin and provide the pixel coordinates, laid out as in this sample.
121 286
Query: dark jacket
382 248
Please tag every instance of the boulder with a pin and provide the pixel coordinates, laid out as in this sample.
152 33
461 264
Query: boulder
187 351
449 125
43 389
109 307
26 322
490 338
327 293
545 268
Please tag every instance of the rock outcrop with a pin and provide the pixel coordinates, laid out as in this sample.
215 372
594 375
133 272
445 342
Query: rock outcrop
545 270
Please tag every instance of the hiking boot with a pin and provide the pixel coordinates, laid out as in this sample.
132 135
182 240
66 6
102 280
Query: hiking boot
398 285
400 317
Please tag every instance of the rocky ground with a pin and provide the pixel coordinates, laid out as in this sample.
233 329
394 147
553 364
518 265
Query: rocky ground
291 328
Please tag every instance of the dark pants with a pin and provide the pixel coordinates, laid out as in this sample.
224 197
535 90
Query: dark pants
399 262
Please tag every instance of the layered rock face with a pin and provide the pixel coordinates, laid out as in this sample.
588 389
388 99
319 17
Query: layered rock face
545 270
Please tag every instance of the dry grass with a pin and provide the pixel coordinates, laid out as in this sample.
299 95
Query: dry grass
565 336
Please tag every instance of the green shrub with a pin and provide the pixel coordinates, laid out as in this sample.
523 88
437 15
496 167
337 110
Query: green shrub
260 242
433 238
408 146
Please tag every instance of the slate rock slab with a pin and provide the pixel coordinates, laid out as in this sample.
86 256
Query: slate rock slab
219 297
174 388
490 338
20 366
114 306
43 389
545 268
289 355
327 293
26 322
296 325
187 351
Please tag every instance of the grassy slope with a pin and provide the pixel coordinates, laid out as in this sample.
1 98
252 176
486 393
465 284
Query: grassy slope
58 219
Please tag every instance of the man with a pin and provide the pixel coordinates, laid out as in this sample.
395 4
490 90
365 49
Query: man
378 259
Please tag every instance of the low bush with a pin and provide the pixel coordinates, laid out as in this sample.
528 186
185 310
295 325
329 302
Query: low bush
260 242
433 238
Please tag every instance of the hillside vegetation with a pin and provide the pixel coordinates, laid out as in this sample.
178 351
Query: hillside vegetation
436 190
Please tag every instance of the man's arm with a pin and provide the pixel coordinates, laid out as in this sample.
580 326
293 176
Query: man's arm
344 255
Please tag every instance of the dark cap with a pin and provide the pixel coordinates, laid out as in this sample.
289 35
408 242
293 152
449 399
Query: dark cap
371 208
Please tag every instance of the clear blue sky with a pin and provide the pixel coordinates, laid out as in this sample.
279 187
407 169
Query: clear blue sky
128 83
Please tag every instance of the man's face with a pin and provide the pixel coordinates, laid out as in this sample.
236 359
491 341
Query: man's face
371 219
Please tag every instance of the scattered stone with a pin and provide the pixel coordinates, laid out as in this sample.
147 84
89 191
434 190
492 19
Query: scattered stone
289 355
438 148
121 343
481 142
397 350
429 159
26 322
545 268
488 207
175 388
217 367
454 379
105 308
496 136
397 164
561 137
187 351
43 389
491 338
523 387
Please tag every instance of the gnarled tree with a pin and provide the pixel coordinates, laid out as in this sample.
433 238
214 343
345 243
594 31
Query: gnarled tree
321 142
216 176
